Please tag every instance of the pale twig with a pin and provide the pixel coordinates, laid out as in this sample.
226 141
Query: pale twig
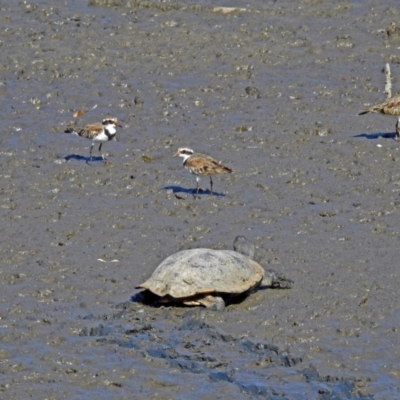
388 81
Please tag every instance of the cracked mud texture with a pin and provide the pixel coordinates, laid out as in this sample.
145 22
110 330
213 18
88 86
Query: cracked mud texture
272 92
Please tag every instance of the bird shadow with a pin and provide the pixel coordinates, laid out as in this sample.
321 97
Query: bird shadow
371 136
202 192
78 157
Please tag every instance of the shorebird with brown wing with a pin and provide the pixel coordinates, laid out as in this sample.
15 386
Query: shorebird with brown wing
98 133
201 165
389 107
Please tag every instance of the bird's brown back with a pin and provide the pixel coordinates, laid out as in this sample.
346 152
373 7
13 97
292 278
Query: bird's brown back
389 107
201 164
90 131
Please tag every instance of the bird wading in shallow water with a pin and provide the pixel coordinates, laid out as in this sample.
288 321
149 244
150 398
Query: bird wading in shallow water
201 165
98 133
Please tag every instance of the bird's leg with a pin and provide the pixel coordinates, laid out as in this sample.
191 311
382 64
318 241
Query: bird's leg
397 137
197 189
104 159
91 148
211 183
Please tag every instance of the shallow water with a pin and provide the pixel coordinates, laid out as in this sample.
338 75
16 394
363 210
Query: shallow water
272 92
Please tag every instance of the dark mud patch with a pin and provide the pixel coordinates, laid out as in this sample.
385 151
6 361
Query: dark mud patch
195 348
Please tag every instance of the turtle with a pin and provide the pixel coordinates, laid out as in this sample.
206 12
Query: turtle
210 278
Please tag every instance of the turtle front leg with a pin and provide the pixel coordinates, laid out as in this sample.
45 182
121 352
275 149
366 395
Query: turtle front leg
214 303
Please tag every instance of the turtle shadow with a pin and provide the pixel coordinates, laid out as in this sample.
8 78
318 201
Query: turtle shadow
146 297
202 192
78 157
377 135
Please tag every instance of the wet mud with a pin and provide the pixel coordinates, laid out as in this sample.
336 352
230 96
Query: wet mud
273 92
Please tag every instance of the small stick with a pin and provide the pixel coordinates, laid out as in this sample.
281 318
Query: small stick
388 81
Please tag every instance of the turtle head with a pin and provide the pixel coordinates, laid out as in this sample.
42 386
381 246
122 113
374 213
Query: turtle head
276 281
243 246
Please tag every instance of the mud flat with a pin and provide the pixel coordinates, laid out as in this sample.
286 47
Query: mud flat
273 92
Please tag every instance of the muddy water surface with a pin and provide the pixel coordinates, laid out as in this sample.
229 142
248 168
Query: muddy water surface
272 92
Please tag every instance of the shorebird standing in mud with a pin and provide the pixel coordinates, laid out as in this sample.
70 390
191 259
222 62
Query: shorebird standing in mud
98 133
201 165
389 107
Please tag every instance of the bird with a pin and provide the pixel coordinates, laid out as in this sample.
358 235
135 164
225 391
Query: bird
98 133
389 107
393 31
201 165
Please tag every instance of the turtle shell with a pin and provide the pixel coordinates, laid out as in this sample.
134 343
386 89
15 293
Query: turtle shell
204 271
